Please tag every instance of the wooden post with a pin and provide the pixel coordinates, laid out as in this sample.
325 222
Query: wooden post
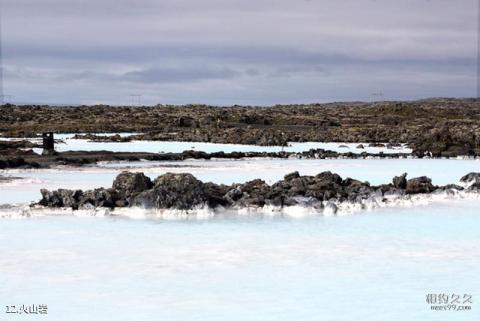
48 144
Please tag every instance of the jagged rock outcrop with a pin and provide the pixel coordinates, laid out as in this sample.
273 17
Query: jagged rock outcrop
420 185
129 185
61 198
179 191
400 181
185 192
471 178
445 140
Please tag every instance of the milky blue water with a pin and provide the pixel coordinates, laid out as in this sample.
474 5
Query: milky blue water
373 265
177 147
69 144
376 171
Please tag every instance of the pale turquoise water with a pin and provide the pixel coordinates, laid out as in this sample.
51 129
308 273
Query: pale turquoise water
375 266
177 147
376 171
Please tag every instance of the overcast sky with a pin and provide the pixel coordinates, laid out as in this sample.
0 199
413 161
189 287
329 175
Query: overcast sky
225 52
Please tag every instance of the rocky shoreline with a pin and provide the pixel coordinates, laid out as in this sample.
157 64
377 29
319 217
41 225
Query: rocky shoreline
440 127
185 192
82 158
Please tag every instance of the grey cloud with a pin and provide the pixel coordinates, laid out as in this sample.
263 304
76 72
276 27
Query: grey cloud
291 70
245 54
165 75
173 75
263 51
252 72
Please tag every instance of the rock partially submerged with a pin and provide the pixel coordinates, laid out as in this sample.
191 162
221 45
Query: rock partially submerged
8 179
104 138
420 185
180 191
17 162
471 180
81 158
131 184
185 192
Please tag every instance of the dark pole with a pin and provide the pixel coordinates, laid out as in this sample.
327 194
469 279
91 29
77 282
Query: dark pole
48 144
